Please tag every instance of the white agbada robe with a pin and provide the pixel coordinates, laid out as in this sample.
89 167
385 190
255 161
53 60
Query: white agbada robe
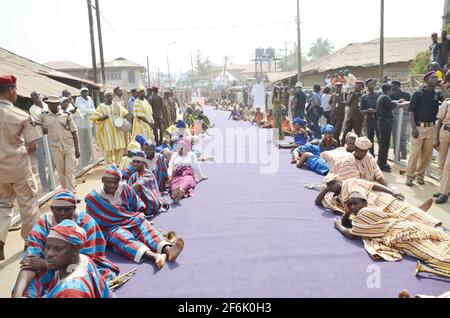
259 96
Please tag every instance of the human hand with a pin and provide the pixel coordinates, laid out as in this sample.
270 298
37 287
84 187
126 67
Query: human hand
399 196
33 262
77 154
415 132
437 145
45 131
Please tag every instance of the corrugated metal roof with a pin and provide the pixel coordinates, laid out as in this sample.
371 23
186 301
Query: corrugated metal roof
367 54
122 63
65 65
32 76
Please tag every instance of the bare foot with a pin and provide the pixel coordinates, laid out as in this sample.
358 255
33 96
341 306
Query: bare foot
404 294
426 205
175 250
160 260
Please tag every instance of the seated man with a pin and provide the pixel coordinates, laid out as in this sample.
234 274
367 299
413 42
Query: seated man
118 211
157 164
387 237
310 155
235 115
248 114
328 143
145 185
35 275
336 193
335 157
269 122
126 160
75 274
361 165
259 117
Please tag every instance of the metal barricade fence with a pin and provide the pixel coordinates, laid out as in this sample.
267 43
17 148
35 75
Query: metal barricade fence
44 169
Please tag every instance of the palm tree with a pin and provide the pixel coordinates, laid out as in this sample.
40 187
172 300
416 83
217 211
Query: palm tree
321 48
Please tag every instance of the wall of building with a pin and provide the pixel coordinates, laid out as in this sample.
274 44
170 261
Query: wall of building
127 78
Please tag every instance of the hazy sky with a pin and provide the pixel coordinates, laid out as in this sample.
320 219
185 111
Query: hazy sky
49 30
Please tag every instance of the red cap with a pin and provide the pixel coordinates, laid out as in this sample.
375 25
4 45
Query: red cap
428 75
7 80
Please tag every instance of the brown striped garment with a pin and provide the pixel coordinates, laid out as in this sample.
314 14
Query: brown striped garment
335 157
387 236
366 169
387 202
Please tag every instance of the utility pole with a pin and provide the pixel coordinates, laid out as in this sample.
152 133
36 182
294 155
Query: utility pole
100 43
382 42
299 76
148 71
91 29
193 74
159 78
446 16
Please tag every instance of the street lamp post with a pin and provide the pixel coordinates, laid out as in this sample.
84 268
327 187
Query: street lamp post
168 64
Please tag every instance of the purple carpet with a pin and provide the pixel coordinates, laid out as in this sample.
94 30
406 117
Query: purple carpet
254 235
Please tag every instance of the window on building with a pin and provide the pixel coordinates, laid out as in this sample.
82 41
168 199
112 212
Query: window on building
113 76
131 77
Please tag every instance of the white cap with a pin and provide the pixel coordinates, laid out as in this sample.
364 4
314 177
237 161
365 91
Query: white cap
84 89
299 85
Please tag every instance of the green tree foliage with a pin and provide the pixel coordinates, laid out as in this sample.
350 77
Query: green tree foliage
420 64
320 49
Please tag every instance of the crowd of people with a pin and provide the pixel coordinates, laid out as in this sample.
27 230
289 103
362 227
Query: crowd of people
65 249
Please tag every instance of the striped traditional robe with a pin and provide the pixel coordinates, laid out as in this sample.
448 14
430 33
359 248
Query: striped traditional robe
159 167
387 202
109 137
387 236
95 248
124 225
148 191
335 157
366 169
84 282
127 172
142 109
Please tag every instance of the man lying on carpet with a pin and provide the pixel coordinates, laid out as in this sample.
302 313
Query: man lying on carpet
387 237
248 114
335 157
336 193
269 122
145 184
35 275
328 143
361 165
75 274
119 212
184 171
235 115
309 154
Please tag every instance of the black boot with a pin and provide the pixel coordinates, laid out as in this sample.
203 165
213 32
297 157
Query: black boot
442 199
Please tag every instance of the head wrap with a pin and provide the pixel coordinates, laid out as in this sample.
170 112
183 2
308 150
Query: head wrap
351 135
356 195
184 144
109 91
328 129
181 124
134 146
62 100
139 156
63 198
84 89
425 78
363 143
396 83
68 231
113 172
330 177
300 122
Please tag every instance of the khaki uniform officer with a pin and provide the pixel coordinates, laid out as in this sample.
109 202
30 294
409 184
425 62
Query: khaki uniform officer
442 143
62 135
16 178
